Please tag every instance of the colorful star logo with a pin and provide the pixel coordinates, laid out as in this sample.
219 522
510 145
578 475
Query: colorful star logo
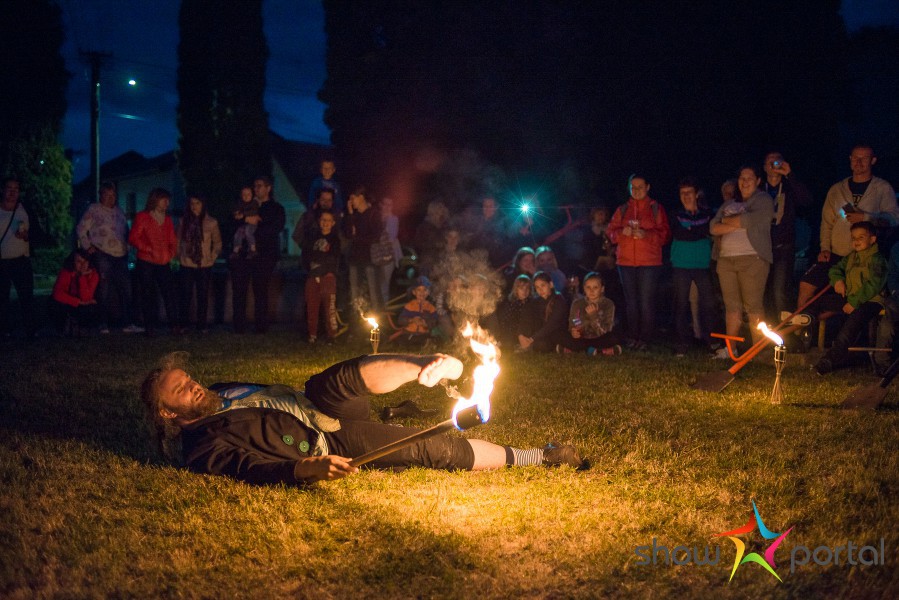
767 561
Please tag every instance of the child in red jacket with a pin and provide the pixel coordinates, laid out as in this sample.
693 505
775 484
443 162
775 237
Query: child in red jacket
73 305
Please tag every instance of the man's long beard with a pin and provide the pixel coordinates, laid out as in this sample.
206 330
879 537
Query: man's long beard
210 403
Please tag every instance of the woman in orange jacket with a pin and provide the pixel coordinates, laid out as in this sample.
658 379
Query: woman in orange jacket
640 229
153 235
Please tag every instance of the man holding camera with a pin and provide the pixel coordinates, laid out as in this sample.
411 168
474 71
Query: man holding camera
861 197
787 193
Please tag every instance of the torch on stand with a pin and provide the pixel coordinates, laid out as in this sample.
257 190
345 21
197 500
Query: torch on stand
375 335
780 359
464 419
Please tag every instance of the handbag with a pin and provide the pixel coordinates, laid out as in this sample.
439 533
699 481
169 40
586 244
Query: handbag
382 251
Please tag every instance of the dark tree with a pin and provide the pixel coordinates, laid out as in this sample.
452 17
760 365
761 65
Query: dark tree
224 141
874 110
33 81
568 98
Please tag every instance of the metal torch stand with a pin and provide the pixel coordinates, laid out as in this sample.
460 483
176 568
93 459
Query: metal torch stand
780 358
375 339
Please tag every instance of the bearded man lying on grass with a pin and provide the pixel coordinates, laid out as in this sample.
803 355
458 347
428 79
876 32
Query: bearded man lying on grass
264 434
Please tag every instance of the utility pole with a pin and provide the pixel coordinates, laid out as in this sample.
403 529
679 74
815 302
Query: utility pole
95 60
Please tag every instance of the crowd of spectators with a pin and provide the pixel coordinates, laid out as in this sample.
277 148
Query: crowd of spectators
730 266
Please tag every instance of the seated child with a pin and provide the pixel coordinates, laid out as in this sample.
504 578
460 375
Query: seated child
858 280
591 319
513 310
245 232
72 304
321 258
419 316
547 317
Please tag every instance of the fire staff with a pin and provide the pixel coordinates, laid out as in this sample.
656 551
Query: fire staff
276 434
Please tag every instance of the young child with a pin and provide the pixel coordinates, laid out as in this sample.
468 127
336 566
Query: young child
321 258
245 232
419 316
73 304
591 319
326 181
858 280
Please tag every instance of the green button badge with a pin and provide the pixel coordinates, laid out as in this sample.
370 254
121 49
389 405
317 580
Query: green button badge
304 446
287 439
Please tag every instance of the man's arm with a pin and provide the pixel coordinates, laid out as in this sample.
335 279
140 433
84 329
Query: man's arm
828 218
888 215
256 469
82 230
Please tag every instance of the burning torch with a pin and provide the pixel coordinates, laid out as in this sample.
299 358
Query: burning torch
467 413
780 358
375 336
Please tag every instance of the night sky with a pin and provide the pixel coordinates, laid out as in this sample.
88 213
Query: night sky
143 39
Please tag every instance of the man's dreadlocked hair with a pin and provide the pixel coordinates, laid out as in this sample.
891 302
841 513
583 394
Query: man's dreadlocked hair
164 433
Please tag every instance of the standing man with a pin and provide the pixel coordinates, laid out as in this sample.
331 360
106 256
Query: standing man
15 258
103 233
861 197
787 192
486 228
259 269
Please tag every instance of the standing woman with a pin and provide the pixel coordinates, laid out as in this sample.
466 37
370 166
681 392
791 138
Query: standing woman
153 235
744 225
363 226
392 227
199 244
640 228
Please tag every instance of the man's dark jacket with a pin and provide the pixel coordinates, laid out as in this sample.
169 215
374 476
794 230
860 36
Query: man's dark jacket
255 445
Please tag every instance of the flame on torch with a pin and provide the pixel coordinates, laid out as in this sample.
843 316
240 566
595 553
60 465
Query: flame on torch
763 327
484 376
372 322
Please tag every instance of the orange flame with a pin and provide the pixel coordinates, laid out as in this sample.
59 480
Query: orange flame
484 374
372 322
763 327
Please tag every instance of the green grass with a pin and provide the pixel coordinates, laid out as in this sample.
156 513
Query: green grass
86 510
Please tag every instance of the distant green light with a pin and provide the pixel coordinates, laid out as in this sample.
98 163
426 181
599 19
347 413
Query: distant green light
132 82
525 208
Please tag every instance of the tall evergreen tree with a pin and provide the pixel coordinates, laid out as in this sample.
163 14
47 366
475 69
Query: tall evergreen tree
224 137
33 81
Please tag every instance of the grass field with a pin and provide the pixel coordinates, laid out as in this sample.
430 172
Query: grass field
86 510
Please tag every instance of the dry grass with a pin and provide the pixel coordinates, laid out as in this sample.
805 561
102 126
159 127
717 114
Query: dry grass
86 511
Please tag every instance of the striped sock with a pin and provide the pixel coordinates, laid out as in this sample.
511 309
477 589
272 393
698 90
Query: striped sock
524 458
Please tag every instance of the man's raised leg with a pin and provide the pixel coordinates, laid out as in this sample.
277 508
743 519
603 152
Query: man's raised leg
384 373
